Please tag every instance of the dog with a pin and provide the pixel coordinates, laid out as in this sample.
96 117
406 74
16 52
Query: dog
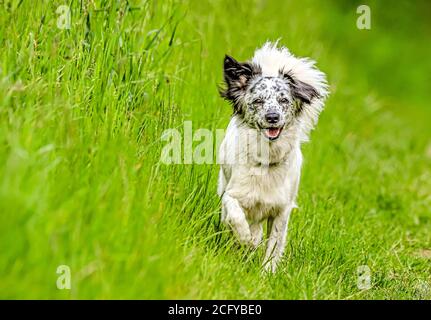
276 99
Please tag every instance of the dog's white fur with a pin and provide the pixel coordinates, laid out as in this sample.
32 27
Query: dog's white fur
265 187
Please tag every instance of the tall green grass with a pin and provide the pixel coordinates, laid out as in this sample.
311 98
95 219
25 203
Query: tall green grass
82 111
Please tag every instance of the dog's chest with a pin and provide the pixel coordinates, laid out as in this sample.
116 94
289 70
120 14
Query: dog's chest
261 191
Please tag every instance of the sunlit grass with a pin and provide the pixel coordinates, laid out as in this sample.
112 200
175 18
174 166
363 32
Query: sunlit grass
82 111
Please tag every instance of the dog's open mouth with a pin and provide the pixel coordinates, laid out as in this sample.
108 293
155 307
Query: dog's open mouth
272 133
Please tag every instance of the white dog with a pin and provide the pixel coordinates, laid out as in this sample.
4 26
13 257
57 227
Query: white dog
276 99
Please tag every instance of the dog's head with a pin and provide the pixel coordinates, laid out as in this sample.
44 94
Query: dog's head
265 102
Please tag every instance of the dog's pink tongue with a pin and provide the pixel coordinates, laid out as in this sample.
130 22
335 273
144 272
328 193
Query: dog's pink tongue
273 132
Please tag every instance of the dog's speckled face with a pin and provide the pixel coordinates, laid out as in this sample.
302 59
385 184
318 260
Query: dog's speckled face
268 104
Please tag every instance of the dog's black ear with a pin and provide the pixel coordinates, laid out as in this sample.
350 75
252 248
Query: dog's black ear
237 76
301 91
236 73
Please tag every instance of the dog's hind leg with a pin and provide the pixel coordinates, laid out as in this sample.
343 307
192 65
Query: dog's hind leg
234 216
256 230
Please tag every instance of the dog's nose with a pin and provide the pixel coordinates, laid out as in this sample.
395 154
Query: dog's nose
272 117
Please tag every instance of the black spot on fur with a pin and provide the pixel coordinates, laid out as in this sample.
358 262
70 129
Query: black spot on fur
254 86
237 76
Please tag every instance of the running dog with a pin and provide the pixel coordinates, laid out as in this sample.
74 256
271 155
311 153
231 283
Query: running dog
276 99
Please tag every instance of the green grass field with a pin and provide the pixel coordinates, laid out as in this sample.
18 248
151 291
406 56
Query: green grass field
82 111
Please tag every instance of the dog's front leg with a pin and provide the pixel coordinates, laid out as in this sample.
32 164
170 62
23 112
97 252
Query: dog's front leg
276 240
234 217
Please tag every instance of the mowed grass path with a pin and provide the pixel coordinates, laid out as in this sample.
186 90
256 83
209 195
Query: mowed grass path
82 111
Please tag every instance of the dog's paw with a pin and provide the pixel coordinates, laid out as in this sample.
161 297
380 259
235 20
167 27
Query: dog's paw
240 228
244 237
255 241
269 267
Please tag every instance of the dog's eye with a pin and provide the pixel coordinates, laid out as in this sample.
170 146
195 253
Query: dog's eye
257 101
284 100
